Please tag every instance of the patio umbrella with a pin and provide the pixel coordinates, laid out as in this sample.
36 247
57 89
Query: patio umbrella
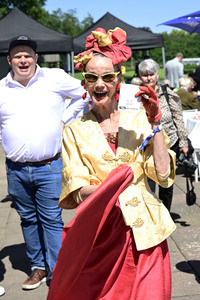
190 22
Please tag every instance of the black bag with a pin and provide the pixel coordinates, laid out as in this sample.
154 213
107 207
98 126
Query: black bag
190 194
190 147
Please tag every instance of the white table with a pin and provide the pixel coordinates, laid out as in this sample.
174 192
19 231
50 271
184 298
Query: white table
193 127
189 114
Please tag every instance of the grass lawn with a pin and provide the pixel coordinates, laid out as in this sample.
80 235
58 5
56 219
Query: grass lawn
78 75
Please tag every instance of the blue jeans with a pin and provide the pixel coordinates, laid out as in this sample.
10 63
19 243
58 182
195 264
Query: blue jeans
35 191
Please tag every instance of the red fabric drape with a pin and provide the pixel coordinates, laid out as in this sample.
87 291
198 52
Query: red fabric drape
98 258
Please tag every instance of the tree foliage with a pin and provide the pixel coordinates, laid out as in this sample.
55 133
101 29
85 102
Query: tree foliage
33 8
174 42
178 41
64 22
68 23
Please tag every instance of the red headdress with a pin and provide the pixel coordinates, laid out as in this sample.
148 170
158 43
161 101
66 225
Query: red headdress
111 44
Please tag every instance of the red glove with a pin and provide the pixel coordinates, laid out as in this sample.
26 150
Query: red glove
150 103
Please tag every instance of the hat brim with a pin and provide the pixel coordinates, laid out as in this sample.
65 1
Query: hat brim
29 43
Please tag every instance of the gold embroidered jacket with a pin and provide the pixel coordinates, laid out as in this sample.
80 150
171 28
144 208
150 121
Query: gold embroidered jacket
88 157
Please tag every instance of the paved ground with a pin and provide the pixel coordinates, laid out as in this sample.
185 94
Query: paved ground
184 245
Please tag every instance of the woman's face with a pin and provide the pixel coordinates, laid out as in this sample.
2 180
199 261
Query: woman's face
149 79
101 91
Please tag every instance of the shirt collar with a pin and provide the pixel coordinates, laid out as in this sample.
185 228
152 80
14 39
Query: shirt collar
39 72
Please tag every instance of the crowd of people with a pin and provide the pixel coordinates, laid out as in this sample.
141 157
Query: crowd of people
177 92
105 163
186 86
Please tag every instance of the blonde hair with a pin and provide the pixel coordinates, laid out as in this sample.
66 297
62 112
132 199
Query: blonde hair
184 82
136 81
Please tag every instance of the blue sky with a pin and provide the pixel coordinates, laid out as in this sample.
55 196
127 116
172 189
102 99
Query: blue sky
136 13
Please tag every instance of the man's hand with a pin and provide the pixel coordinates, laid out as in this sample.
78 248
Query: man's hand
150 102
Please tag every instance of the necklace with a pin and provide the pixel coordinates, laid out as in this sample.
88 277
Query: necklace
112 138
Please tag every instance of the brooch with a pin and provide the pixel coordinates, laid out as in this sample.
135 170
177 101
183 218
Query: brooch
125 157
133 202
138 223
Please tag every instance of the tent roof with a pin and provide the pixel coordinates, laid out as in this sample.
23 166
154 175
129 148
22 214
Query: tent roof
16 23
137 39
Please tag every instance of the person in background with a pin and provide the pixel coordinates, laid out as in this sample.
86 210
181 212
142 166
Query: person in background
31 120
116 246
197 78
166 82
174 70
189 99
172 119
136 81
137 64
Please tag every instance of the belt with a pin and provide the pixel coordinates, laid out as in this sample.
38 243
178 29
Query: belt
43 162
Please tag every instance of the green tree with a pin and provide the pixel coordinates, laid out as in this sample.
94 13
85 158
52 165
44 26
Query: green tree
70 23
178 41
53 20
87 22
33 8
156 54
66 22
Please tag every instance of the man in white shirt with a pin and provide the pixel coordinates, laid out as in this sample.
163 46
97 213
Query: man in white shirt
32 113
174 70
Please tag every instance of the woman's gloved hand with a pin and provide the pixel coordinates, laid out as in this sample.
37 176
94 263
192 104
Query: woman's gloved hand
150 102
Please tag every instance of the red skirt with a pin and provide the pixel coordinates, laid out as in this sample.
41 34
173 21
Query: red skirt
98 258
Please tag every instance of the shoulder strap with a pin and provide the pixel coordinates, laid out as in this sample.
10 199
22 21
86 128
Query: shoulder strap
165 93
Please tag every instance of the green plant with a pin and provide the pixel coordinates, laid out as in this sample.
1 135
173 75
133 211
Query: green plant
189 68
161 74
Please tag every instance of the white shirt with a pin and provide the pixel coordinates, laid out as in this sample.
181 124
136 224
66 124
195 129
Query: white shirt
173 71
30 117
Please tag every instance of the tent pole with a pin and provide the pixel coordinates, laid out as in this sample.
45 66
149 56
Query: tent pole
163 56
68 63
72 57
64 62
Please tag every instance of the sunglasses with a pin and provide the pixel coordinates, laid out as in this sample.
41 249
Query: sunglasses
107 77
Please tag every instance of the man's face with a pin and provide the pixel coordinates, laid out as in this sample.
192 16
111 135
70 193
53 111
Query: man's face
23 61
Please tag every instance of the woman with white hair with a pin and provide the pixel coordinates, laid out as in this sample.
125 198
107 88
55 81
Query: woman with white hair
189 99
172 119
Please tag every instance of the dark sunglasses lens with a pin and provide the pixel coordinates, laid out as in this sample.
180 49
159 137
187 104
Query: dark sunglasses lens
91 77
108 77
